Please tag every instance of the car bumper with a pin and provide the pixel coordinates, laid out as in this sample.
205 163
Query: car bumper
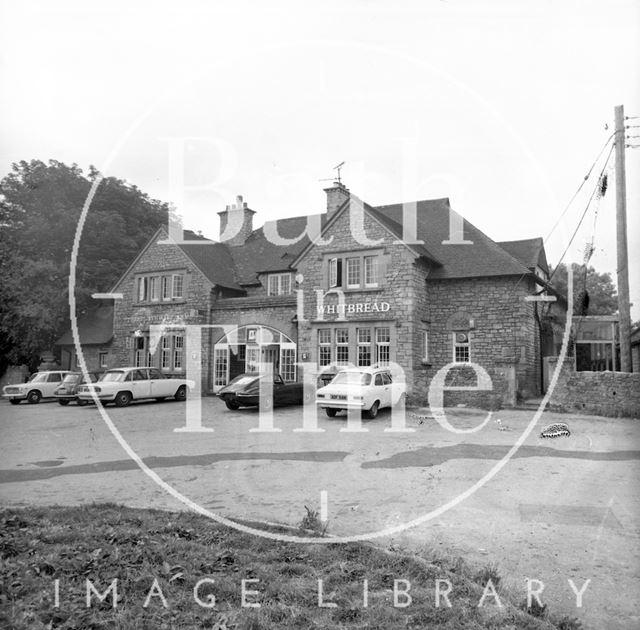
248 400
14 396
340 404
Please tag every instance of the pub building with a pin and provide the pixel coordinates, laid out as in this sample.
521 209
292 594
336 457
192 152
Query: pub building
345 286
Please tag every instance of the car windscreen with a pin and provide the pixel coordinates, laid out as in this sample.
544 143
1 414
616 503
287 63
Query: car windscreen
352 378
112 377
244 379
38 377
72 378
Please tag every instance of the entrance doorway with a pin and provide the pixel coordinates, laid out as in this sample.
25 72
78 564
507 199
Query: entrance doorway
242 351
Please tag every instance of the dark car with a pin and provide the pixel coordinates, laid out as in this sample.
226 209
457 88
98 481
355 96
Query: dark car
68 390
244 391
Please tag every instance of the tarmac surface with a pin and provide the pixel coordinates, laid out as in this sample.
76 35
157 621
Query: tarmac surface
558 510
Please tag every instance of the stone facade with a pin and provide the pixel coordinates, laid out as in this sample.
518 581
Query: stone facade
614 394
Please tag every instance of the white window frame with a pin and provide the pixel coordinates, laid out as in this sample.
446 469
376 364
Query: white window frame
142 289
324 345
383 344
364 344
154 288
279 284
165 288
333 272
178 352
103 359
375 267
457 344
350 263
340 346
425 346
177 286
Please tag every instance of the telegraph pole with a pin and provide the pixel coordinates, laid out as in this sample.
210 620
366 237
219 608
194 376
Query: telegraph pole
621 243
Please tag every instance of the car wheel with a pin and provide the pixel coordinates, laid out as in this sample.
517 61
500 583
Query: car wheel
33 397
331 412
123 399
232 404
373 412
63 402
15 401
181 394
82 403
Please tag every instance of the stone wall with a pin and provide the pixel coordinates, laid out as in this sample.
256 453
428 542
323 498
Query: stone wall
130 316
503 332
615 394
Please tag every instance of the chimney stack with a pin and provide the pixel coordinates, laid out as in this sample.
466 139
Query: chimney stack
236 223
336 196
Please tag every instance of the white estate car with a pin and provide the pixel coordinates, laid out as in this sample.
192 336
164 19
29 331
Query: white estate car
367 389
40 385
122 385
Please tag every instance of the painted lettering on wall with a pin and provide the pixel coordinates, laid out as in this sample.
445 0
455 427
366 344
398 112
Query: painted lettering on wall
355 307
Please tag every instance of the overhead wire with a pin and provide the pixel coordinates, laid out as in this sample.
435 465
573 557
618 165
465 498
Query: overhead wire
584 213
586 177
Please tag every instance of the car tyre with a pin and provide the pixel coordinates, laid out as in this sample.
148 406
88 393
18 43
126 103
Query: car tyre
181 394
63 402
331 412
82 403
373 412
15 401
232 404
33 397
123 399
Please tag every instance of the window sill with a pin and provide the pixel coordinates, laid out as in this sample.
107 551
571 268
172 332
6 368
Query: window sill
161 302
358 289
425 363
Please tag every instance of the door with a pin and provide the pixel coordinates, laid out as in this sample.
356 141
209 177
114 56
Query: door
271 354
140 384
159 385
53 380
382 391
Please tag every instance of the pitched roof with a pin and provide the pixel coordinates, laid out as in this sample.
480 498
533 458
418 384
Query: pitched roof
94 328
483 257
214 260
530 252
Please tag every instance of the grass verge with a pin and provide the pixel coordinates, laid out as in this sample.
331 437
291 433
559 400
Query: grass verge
159 557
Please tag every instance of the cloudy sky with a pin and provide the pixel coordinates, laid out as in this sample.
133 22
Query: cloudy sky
502 106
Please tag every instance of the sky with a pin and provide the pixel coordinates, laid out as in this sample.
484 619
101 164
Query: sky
501 106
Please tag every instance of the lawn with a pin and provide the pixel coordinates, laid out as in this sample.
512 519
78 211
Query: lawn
159 557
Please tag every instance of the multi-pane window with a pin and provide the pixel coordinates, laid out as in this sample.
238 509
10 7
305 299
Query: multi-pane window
103 359
142 357
279 284
178 286
353 273
154 288
383 343
335 272
364 346
165 355
178 352
324 346
461 347
342 346
288 365
166 287
370 271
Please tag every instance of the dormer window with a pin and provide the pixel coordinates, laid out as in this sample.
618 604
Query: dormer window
279 284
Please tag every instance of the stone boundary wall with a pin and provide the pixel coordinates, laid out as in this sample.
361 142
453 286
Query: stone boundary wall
615 394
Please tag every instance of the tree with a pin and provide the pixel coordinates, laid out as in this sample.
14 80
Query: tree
602 293
40 205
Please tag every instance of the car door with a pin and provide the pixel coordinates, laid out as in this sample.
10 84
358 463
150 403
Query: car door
392 395
140 385
159 384
53 380
382 391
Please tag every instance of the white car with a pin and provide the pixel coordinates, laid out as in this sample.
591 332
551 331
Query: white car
367 389
122 385
40 385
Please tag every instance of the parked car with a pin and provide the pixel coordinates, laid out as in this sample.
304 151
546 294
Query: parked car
40 385
367 389
244 391
122 385
68 390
